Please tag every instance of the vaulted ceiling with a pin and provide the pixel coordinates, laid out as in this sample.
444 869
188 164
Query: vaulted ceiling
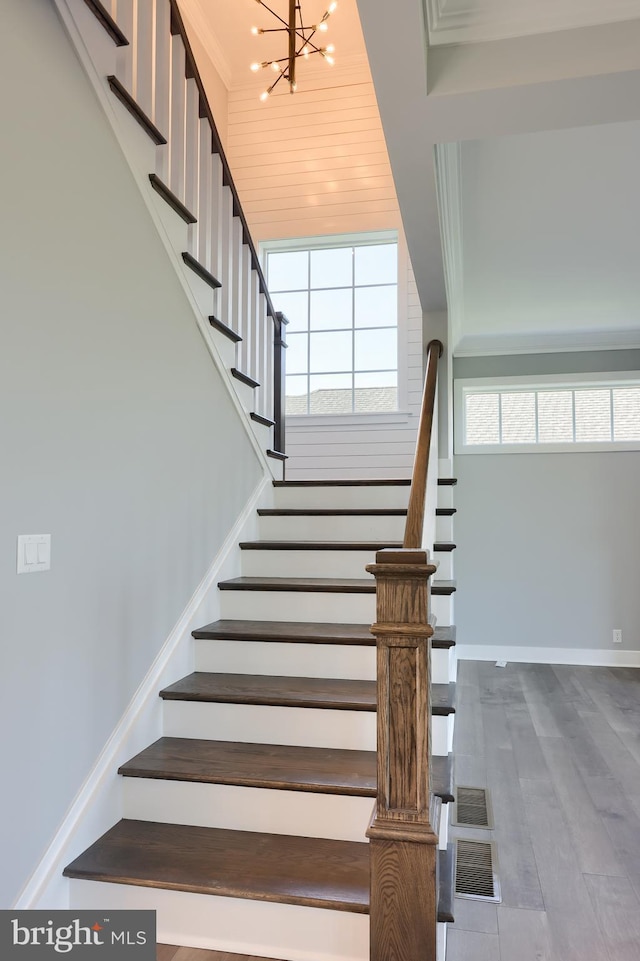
513 130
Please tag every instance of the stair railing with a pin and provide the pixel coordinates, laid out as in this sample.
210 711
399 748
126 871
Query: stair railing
403 830
158 80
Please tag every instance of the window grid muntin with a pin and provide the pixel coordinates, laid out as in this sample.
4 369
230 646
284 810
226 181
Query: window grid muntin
596 385
354 329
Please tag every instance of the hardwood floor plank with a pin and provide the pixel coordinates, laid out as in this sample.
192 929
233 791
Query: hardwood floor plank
621 822
472 946
575 931
200 954
593 848
166 952
617 909
530 761
525 935
479 916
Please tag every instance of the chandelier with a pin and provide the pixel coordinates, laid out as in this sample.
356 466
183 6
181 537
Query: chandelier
301 44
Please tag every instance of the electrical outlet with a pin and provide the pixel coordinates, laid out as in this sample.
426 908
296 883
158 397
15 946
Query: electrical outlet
617 636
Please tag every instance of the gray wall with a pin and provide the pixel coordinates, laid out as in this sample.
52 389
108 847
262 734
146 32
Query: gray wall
548 544
116 436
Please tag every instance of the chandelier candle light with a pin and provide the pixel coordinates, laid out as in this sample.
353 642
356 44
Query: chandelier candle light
300 44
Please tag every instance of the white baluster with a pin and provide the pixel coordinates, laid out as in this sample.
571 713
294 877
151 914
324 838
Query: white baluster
125 15
217 217
177 136
192 159
204 212
258 342
226 258
246 319
145 60
162 96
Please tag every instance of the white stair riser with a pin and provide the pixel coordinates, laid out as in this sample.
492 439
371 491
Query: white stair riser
333 608
442 608
301 660
444 560
226 349
342 498
259 928
446 496
443 827
251 723
332 527
442 735
307 563
247 808
245 394
444 528
441 941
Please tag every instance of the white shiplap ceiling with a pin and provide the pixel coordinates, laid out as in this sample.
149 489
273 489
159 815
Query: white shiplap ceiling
469 21
224 26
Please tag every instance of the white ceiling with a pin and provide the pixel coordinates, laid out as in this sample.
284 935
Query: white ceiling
550 240
464 21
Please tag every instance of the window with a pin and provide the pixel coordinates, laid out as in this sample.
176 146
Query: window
519 415
341 301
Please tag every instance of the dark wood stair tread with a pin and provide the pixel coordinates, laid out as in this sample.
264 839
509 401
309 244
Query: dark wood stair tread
441 547
308 692
228 332
238 864
305 632
447 481
445 511
107 21
371 546
136 111
315 585
347 482
280 767
332 512
446 884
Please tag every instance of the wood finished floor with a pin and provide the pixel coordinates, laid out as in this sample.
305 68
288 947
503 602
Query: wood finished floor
559 749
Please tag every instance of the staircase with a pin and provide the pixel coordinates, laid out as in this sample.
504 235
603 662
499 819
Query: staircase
244 825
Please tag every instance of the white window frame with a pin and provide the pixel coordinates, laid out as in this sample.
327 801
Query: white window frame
464 386
366 238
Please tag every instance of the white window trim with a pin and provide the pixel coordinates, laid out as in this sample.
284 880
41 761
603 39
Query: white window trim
340 240
463 386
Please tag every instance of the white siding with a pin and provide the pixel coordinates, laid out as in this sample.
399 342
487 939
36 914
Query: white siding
316 164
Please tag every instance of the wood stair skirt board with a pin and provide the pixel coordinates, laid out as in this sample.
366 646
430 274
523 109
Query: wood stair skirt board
107 21
136 111
272 766
305 692
227 331
306 633
174 202
313 872
322 585
200 270
244 378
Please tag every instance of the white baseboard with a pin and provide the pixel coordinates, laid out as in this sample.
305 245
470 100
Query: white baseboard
593 657
99 804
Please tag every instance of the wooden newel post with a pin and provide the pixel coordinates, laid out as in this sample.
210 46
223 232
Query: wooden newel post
404 844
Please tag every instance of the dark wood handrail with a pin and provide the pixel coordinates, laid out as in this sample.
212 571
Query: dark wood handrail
178 27
415 513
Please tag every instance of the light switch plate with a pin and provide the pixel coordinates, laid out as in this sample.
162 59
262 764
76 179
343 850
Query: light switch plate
34 553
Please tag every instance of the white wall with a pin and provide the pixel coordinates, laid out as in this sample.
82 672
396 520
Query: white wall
548 551
117 436
316 164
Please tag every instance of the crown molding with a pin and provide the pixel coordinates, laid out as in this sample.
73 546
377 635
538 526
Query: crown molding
459 21
489 345
448 165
